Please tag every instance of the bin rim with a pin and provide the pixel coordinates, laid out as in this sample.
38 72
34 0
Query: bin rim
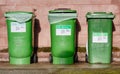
12 12
100 15
62 11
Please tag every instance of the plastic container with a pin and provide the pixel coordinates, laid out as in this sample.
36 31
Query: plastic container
62 29
19 26
99 37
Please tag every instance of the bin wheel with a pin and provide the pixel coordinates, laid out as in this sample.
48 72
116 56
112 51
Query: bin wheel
76 59
34 58
51 58
86 58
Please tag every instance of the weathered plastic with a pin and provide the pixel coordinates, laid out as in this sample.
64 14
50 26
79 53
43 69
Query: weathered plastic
19 26
99 37
62 27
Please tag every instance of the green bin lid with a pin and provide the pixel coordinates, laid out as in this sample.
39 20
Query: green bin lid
100 15
62 11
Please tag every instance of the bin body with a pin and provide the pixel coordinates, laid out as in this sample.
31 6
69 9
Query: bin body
99 37
19 38
62 36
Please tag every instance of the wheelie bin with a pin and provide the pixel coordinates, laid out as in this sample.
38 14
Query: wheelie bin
99 37
62 29
19 27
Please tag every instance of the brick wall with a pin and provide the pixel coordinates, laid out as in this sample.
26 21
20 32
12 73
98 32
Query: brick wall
43 6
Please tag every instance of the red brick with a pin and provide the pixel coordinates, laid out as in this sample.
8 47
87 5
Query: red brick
3 37
47 2
52 2
17 2
16 8
116 38
116 2
117 30
2 2
89 2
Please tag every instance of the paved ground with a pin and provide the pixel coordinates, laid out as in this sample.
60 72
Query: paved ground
47 68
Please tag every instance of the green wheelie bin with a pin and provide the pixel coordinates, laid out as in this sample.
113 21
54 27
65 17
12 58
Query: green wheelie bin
19 27
100 37
62 29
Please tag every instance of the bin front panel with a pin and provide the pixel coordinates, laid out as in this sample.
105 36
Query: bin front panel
19 38
63 38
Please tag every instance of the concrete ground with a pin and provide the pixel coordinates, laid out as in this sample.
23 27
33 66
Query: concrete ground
47 68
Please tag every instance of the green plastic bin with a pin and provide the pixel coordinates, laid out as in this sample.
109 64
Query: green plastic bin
19 27
62 29
99 37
